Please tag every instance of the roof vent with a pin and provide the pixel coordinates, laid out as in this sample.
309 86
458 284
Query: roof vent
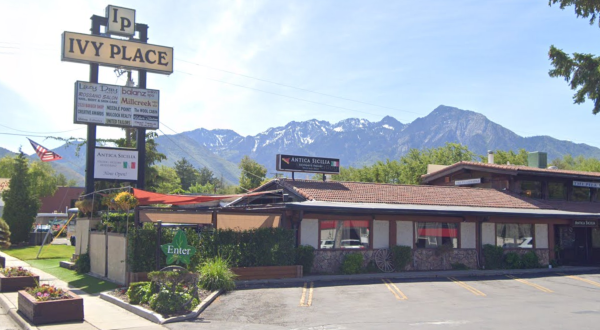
537 159
490 157
552 168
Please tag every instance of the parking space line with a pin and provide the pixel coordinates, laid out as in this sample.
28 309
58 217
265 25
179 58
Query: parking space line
581 279
392 287
537 286
308 301
468 287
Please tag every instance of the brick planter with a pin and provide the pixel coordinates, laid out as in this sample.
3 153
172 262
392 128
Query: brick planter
51 311
16 283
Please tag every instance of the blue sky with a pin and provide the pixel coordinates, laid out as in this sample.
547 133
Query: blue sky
397 58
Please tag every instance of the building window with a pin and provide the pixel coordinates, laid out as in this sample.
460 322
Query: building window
344 234
557 190
514 236
531 189
435 234
582 194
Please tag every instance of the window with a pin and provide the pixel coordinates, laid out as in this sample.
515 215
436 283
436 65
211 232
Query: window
344 234
556 190
434 234
514 236
531 189
582 194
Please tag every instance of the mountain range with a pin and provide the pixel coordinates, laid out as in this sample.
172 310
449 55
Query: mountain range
356 142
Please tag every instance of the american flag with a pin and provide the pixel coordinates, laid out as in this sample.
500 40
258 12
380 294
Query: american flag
44 154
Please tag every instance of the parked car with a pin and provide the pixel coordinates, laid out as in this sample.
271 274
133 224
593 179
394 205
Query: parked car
327 244
351 244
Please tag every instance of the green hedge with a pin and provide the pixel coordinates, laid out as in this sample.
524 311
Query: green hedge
257 247
352 263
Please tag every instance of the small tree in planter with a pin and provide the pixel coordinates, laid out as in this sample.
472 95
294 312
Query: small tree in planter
16 278
49 304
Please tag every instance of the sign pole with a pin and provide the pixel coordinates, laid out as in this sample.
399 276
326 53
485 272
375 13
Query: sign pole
141 132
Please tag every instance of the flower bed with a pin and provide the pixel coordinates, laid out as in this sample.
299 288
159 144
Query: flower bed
48 304
17 278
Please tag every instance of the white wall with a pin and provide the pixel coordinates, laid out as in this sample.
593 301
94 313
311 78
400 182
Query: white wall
381 234
488 233
309 232
541 236
405 233
117 258
97 253
468 235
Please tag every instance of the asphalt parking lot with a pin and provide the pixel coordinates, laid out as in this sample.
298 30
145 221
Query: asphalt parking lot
548 301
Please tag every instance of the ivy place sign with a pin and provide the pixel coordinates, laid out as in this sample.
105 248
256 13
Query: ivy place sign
178 251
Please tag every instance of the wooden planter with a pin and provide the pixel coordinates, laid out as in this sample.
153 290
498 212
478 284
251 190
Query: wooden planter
16 283
51 311
266 272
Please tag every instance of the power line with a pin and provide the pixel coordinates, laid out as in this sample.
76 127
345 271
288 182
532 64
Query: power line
14 129
298 88
282 95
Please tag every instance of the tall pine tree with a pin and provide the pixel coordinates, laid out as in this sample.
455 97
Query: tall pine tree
20 206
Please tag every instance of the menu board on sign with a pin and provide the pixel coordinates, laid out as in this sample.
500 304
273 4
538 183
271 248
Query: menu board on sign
112 105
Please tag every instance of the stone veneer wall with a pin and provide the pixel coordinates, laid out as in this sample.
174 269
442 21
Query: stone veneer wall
425 259
330 261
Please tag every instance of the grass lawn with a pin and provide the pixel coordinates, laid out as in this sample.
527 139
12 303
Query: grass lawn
62 252
86 283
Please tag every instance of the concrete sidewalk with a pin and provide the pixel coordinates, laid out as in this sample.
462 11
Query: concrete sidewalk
98 314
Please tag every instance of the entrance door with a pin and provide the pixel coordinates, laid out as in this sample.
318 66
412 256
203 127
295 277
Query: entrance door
583 245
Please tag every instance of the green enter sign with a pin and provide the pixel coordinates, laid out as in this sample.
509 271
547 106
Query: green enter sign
178 251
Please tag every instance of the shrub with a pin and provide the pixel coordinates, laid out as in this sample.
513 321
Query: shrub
305 256
493 256
513 260
459 266
4 235
530 260
82 265
168 302
401 256
352 263
216 275
139 293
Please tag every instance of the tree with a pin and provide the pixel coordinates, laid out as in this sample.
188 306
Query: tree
578 163
4 235
62 181
7 163
205 176
582 70
168 181
20 206
253 174
505 157
42 180
414 164
186 172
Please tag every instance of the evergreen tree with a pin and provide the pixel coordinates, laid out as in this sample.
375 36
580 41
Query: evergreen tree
4 235
187 173
253 174
20 206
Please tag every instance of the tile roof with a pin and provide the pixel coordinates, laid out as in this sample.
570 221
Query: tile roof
518 168
361 192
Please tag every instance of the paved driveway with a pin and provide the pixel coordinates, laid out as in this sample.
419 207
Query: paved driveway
555 301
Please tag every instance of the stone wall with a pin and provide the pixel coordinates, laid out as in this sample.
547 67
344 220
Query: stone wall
426 259
330 261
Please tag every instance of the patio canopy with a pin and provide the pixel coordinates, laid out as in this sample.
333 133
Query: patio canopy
149 198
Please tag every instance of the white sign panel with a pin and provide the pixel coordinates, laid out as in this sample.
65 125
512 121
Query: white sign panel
116 164
121 21
467 182
586 184
112 105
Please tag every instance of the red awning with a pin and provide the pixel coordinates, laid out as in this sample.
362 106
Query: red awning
148 198
438 232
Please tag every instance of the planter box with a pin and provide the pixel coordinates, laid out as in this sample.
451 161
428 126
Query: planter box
16 283
51 311
266 272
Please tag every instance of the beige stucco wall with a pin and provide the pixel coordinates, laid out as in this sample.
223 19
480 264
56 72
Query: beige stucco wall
381 234
488 233
541 236
82 234
97 253
117 258
309 232
467 235
404 233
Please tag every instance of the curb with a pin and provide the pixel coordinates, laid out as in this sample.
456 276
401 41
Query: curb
157 318
12 312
